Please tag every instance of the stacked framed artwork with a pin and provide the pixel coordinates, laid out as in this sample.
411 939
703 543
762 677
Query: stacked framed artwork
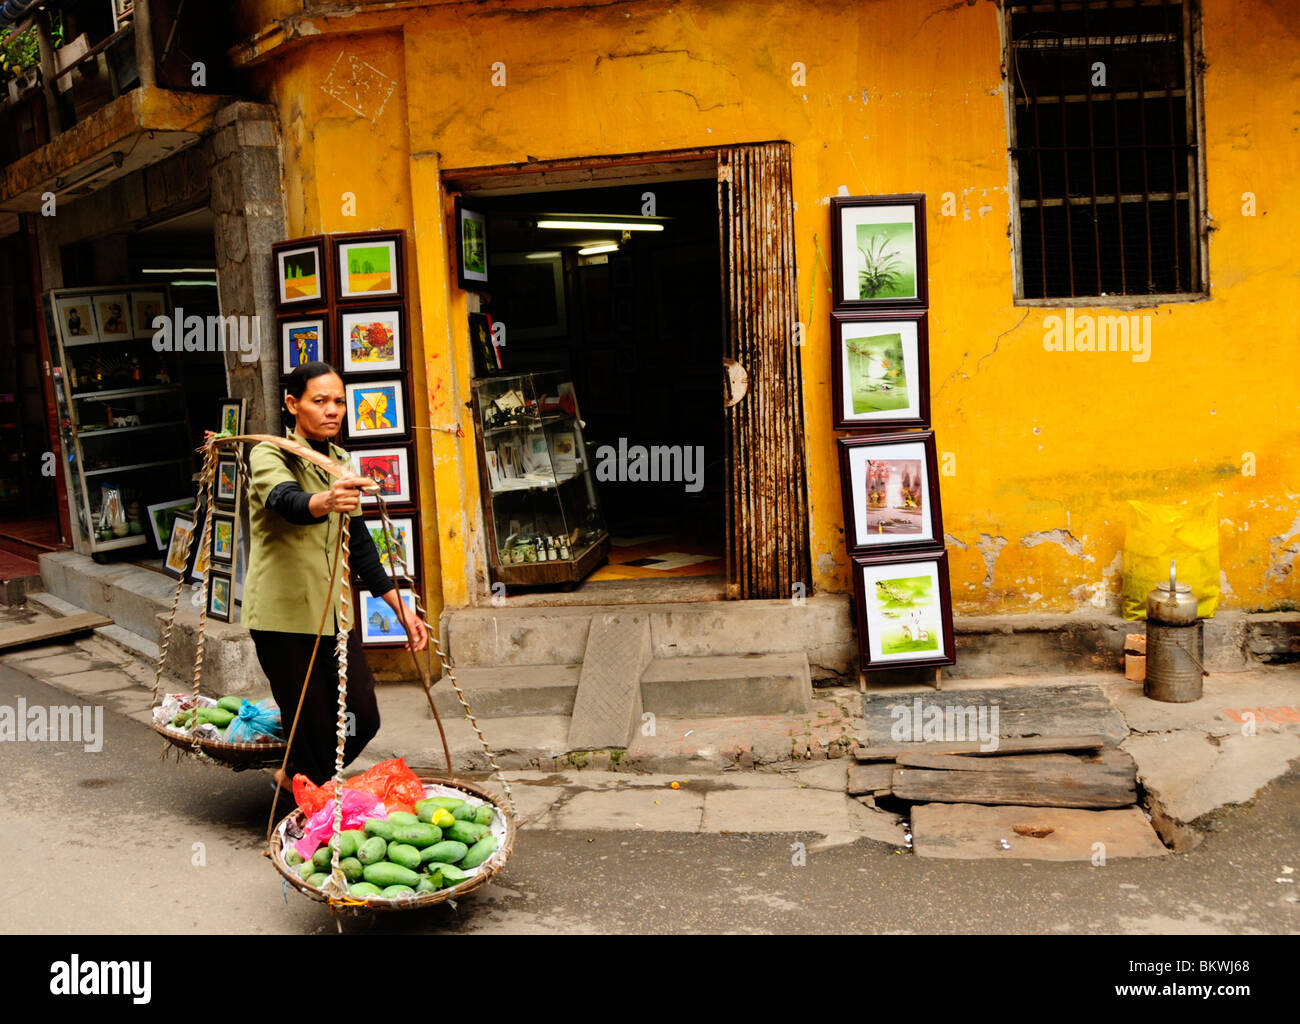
341 300
889 478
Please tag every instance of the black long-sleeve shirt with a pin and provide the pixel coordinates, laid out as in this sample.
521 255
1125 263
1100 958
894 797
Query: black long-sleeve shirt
291 503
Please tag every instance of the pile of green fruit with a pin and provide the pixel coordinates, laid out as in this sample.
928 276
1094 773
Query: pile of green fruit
406 854
221 716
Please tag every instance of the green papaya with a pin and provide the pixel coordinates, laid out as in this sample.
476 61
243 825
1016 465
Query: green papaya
361 890
219 717
318 880
465 812
479 852
323 858
449 803
292 857
379 827
452 875
387 873
466 832
392 892
401 853
419 834
402 818
372 850
349 842
231 704
305 870
446 852
484 815
351 868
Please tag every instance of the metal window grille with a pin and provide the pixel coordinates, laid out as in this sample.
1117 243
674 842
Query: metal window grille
1104 147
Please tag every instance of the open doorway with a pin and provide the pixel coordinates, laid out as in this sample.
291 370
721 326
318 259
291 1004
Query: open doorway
634 318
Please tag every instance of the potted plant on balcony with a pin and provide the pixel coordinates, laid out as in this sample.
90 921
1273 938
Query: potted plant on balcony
20 58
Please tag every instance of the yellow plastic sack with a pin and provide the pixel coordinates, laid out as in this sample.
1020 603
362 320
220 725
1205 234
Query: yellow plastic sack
1189 534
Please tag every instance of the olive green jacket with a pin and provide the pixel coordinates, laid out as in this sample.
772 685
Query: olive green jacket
287 587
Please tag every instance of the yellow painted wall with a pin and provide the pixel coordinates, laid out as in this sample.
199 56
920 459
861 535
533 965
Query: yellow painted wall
898 97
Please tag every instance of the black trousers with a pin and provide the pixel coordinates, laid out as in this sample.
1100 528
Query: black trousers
284 658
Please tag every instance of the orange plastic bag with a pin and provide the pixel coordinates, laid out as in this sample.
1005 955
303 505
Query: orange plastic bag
391 781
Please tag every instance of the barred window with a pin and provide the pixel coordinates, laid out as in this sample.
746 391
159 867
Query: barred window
1104 146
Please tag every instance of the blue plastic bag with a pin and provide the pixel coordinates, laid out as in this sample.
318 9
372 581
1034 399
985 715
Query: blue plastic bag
253 720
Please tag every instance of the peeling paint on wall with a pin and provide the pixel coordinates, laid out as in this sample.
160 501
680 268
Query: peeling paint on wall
990 548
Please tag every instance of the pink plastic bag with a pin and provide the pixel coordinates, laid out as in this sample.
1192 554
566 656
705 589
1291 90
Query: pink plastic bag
357 807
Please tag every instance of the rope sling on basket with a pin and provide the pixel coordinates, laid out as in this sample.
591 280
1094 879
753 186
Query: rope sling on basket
335 891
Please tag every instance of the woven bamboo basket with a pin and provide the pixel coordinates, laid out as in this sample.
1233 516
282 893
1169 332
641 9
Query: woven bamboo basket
481 877
237 756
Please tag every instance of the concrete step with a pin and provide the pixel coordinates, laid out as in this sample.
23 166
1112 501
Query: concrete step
509 690
820 628
751 684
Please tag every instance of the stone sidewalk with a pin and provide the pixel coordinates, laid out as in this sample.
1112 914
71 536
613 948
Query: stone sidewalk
769 774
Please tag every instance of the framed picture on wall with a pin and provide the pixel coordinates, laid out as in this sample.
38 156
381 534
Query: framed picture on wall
113 316
161 516
878 251
403 545
225 486
368 265
145 308
376 408
371 340
76 316
377 619
471 248
201 552
221 596
880 370
177 559
303 341
223 538
904 610
234 411
301 272
890 484
528 295
391 469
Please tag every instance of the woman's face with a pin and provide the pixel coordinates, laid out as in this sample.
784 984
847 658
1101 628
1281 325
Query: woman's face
319 412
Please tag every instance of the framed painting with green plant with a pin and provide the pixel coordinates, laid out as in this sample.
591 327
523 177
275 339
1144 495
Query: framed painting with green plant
301 273
904 609
368 265
879 255
880 370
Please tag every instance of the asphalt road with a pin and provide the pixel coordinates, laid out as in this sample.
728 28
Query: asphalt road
120 841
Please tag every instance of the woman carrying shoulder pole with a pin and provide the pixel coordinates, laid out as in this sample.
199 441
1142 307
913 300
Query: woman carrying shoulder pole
294 521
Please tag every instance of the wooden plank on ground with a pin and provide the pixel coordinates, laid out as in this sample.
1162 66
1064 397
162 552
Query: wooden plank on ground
966 763
51 629
1084 785
1020 745
870 778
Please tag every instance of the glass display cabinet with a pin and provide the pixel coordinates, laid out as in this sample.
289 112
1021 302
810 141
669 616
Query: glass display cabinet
544 524
122 412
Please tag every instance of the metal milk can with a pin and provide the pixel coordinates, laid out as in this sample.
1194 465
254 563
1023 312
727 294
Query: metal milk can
1175 643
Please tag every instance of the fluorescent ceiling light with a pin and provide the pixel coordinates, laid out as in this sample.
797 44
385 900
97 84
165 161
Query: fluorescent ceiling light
178 270
599 225
591 250
542 255
112 163
195 284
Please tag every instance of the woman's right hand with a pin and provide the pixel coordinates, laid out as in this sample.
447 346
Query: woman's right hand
343 496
